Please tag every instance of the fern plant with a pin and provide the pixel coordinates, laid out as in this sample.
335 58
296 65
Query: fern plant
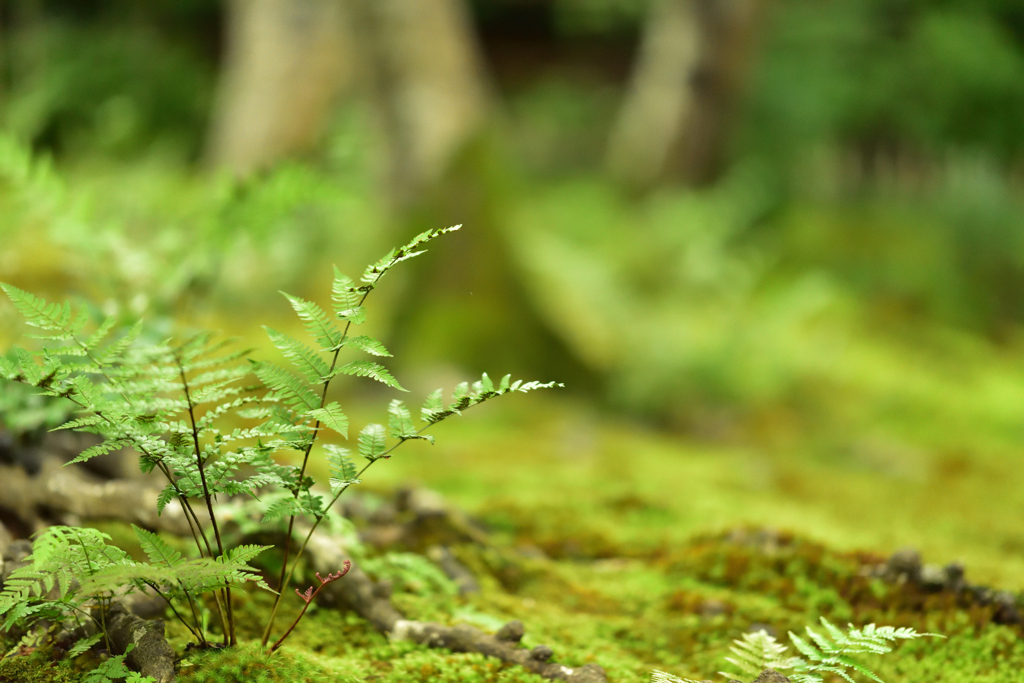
114 668
192 412
832 651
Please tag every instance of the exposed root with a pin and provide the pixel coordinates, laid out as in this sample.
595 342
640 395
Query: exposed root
372 601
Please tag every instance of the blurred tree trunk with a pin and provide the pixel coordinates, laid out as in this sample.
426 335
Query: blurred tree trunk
466 306
678 107
659 95
284 65
425 69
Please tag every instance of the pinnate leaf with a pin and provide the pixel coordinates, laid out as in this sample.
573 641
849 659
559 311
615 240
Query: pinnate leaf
366 368
372 441
332 416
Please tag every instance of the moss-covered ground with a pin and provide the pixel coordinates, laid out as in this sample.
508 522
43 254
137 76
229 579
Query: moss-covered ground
637 550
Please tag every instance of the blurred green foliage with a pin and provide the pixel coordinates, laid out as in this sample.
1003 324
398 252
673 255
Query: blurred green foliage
86 88
873 203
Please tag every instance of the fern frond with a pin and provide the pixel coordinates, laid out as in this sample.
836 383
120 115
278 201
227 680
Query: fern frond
116 349
433 409
286 386
372 441
318 323
332 416
38 312
373 273
101 333
365 368
345 298
98 449
832 651
400 424
82 645
156 548
367 344
9 368
168 494
213 414
309 362
343 470
81 423
216 392
755 652
283 507
664 677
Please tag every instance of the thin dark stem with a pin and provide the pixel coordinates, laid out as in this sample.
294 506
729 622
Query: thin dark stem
282 581
190 514
229 631
290 628
319 518
166 472
92 571
171 605
103 625
79 609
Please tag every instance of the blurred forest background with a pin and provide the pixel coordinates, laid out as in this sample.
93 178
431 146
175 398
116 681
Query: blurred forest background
790 229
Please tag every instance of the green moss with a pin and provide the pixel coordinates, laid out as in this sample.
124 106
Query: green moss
37 667
249 663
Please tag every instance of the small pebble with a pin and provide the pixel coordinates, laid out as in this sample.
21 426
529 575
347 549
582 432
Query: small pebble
512 632
541 653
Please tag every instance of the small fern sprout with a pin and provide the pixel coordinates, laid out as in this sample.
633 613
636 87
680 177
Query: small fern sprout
831 652
308 596
757 651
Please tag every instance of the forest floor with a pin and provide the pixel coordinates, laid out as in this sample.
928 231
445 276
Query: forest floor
635 549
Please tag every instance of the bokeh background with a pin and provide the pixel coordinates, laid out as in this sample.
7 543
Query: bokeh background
774 248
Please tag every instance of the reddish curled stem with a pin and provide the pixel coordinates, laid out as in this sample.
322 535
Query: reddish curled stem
308 597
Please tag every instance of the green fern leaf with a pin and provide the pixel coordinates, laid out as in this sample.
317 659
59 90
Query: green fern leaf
9 368
81 423
343 470
367 344
433 406
287 387
400 424
373 273
82 645
284 507
332 416
345 298
156 548
365 368
245 553
309 362
372 441
166 496
38 312
755 652
116 349
664 677
101 333
356 316
98 449
318 323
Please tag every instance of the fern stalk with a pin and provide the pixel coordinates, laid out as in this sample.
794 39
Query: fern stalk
282 580
229 630
190 516
198 636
